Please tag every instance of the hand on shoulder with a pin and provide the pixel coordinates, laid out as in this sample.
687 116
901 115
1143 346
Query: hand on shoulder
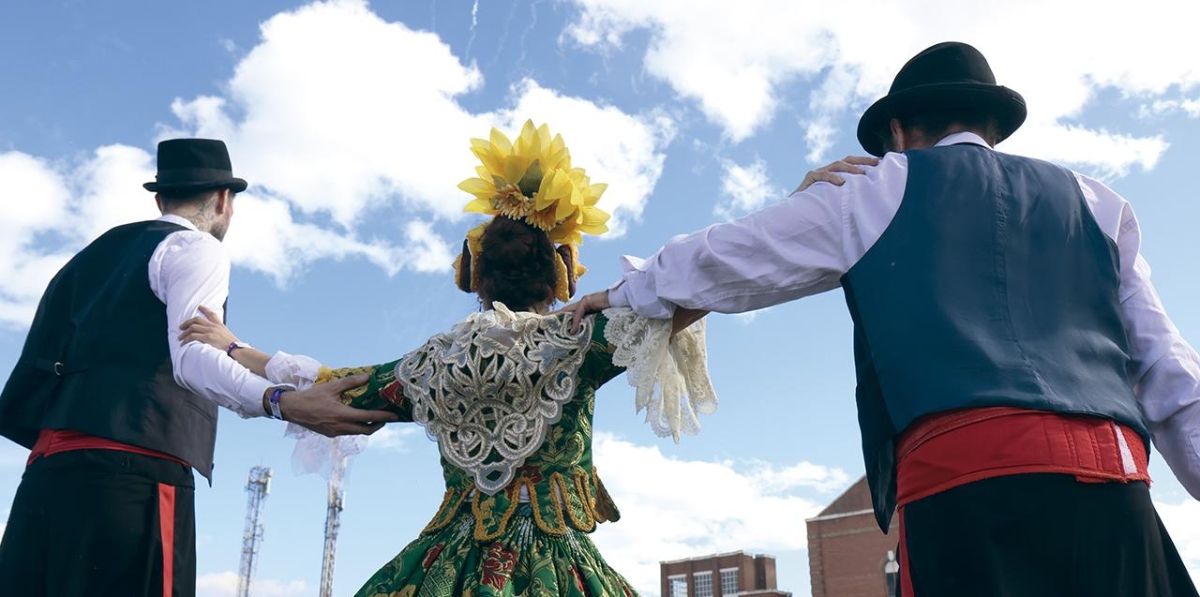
831 172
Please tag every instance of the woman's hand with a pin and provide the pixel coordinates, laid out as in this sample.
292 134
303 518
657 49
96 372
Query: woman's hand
207 329
590 303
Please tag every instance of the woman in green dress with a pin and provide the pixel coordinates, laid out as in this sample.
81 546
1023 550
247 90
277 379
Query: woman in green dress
508 393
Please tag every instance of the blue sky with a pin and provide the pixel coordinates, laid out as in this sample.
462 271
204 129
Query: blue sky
352 121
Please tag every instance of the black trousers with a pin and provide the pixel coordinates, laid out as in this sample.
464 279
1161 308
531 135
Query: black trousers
1041 535
92 523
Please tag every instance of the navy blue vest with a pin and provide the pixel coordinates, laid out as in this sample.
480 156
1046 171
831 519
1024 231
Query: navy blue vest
97 361
993 286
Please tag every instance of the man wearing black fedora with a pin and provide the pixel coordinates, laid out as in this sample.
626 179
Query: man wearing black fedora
1013 359
116 412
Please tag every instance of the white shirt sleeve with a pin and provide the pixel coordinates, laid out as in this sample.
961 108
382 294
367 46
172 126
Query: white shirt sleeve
795 248
1165 369
189 269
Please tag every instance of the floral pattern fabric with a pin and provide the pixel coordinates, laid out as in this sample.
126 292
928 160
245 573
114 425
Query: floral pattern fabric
522 561
528 539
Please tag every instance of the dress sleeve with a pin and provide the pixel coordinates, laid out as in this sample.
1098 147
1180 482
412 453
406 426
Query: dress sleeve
598 367
382 392
669 372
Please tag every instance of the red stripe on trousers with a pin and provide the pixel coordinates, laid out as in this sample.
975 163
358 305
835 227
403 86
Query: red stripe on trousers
166 524
906 588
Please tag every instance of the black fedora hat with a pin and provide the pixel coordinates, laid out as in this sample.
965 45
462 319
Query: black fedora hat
194 165
949 75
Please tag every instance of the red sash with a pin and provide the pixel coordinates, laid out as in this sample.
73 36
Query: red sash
942 451
53 441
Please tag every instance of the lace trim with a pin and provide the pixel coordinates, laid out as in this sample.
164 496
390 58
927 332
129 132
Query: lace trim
489 391
669 372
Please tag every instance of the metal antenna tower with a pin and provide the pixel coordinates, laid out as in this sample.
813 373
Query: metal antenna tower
258 485
333 517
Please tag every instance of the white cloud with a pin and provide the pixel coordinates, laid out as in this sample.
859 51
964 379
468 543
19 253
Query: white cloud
1182 521
675 508
63 206
342 112
746 188
221 584
746 318
614 147
394 437
1166 107
736 60
335 117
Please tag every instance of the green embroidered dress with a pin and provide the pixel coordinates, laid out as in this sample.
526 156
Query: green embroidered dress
509 398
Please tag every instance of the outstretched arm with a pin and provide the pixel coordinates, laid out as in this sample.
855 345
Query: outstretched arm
794 248
320 408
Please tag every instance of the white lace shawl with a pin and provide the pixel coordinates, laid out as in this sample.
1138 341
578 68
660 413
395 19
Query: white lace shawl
489 390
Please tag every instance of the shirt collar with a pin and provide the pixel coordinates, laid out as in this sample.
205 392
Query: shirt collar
174 219
963 137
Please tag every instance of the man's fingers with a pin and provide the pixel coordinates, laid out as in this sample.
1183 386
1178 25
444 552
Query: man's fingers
577 318
861 160
370 416
348 383
842 167
821 176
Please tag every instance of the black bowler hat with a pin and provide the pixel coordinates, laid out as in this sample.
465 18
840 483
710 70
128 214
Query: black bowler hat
194 165
949 75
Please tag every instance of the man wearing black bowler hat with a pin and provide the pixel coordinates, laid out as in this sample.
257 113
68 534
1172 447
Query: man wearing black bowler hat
116 412
1013 359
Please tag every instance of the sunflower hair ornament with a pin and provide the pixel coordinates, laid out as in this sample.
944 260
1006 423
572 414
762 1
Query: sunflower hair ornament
531 180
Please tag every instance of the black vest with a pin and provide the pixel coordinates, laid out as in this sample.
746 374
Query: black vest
992 286
97 360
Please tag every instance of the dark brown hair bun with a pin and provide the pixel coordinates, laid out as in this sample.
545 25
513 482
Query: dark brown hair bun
516 266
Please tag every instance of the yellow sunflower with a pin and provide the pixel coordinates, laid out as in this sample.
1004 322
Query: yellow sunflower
525 178
531 179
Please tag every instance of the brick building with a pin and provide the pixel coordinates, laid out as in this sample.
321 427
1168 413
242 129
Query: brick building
848 556
721 575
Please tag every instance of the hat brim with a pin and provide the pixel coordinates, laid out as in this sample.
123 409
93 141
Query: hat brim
994 100
236 185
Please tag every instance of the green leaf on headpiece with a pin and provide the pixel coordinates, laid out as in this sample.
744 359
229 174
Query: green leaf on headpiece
532 180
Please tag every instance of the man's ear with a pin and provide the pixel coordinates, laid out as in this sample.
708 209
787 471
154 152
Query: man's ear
159 202
224 200
900 140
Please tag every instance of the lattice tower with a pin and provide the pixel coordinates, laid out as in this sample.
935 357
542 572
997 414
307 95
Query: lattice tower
258 485
333 517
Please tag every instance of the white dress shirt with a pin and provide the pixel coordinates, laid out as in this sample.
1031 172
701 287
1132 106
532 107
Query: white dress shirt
804 244
188 269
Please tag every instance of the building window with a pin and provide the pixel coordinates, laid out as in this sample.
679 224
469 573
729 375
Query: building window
729 581
891 574
677 585
703 582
